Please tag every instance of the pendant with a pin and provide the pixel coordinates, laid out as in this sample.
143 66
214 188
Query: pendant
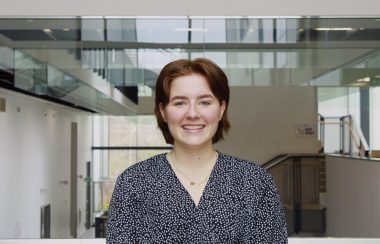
192 183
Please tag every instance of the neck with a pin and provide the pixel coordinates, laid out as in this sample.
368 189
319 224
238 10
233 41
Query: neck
194 158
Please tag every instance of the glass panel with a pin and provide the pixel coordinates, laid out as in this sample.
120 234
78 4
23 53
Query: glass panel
253 51
148 133
30 74
122 131
6 65
119 160
93 30
163 30
102 195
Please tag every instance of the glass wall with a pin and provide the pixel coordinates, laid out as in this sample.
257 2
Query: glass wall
92 64
120 142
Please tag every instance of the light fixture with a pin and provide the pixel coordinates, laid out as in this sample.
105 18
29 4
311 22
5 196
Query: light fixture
47 30
363 80
66 29
334 29
358 84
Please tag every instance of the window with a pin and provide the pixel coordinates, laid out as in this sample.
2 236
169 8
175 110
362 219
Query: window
118 143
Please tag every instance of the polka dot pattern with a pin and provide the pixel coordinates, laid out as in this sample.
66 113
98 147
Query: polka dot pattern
240 204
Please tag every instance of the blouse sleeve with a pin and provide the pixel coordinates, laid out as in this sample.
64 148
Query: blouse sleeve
121 223
266 220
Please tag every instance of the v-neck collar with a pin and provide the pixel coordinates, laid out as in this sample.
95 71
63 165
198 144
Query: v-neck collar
178 184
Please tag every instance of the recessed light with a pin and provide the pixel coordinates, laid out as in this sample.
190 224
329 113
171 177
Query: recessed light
334 29
365 79
358 84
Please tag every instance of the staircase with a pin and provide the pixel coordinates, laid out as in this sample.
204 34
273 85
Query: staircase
322 175
301 182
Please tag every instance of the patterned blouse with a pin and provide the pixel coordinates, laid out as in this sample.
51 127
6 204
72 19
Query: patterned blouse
239 204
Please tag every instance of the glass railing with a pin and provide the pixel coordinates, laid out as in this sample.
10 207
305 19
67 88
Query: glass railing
81 60
102 195
342 135
252 51
26 73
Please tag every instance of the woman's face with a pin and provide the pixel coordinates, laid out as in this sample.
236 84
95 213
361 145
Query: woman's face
193 112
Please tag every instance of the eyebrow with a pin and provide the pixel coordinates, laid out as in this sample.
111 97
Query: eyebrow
199 97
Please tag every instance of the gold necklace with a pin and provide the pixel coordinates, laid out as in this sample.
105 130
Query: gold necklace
192 182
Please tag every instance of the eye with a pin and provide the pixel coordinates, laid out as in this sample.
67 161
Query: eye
205 103
179 103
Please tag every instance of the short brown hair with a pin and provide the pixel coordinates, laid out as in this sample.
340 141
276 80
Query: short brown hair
217 81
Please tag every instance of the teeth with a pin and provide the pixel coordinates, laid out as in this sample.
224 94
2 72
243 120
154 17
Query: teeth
193 127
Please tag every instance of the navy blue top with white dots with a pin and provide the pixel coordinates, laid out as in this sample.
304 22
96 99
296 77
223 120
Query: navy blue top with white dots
240 204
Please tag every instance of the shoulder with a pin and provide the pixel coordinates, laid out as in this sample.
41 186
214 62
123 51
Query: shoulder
245 170
142 170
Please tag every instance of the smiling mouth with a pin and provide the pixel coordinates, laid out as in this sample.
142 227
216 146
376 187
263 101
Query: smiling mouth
193 127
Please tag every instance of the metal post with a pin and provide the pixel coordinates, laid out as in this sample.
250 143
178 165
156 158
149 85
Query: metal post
297 194
341 138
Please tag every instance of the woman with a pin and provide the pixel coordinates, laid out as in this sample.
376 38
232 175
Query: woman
194 194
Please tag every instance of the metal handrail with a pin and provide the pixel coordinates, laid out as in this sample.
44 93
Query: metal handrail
361 143
275 161
292 188
283 157
322 131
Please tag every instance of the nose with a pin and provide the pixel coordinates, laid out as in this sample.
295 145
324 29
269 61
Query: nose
192 112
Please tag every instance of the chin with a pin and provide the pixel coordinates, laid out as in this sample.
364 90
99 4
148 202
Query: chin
196 144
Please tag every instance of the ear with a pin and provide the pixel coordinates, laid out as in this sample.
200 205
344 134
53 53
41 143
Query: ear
162 111
222 109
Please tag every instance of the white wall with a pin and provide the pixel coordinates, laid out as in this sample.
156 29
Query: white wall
35 159
194 7
264 122
353 197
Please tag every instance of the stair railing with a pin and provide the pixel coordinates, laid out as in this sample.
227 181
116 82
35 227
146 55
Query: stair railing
298 183
351 139
355 143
